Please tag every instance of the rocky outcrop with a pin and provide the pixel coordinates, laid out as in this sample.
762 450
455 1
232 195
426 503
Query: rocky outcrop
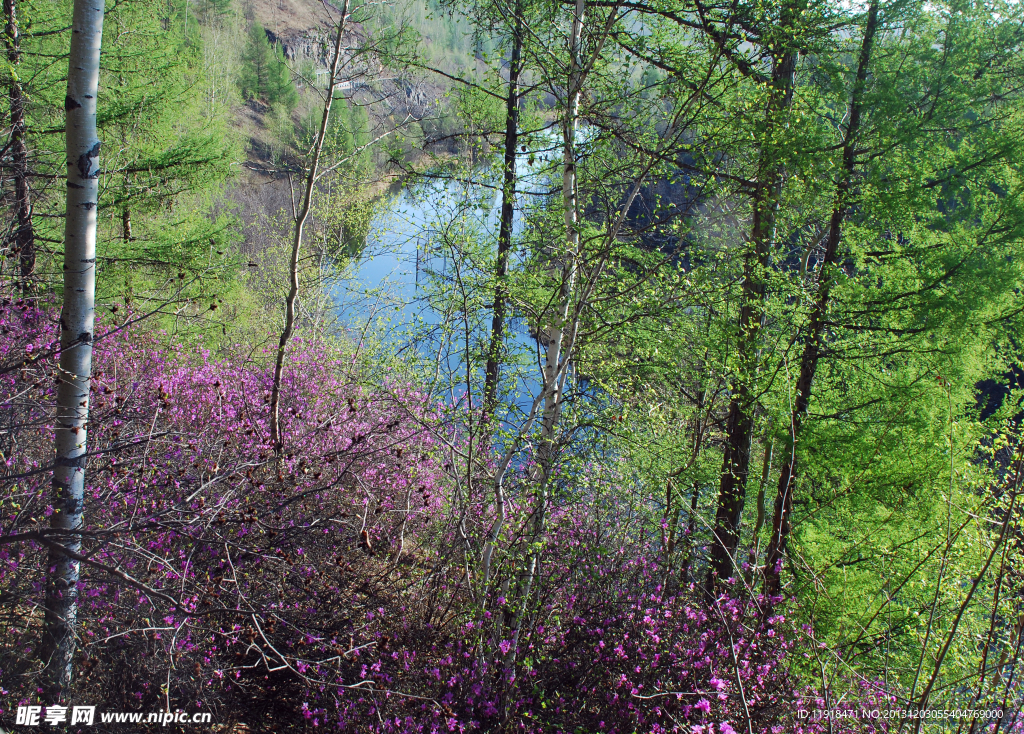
301 27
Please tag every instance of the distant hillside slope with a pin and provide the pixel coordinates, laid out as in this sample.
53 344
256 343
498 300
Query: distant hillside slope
298 24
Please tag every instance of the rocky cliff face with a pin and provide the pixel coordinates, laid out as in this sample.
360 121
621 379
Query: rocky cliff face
301 27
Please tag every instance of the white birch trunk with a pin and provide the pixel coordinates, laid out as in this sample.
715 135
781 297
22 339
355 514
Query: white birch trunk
556 364
76 338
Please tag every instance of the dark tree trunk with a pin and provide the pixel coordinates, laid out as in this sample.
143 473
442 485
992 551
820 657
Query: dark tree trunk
781 523
732 491
24 239
508 202
691 528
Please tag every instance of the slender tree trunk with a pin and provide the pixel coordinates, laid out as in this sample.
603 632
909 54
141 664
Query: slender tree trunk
24 239
554 333
508 200
126 225
554 373
76 339
740 423
781 523
691 528
300 222
673 499
508 203
767 453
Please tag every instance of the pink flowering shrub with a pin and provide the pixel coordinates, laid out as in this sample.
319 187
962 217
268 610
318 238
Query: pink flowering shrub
225 556
330 586
612 648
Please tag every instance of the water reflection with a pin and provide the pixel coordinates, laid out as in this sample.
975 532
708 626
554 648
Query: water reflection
399 281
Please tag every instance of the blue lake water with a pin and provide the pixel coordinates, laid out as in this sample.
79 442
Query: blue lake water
394 287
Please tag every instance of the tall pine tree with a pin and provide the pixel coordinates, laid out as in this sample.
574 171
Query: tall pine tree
265 75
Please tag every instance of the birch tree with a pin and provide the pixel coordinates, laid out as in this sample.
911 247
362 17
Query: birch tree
581 271
553 333
76 337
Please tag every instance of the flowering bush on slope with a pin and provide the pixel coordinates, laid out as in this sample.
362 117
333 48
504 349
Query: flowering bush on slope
315 588
612 648
226 556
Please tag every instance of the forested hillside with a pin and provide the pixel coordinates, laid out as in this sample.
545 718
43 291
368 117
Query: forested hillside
596 366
